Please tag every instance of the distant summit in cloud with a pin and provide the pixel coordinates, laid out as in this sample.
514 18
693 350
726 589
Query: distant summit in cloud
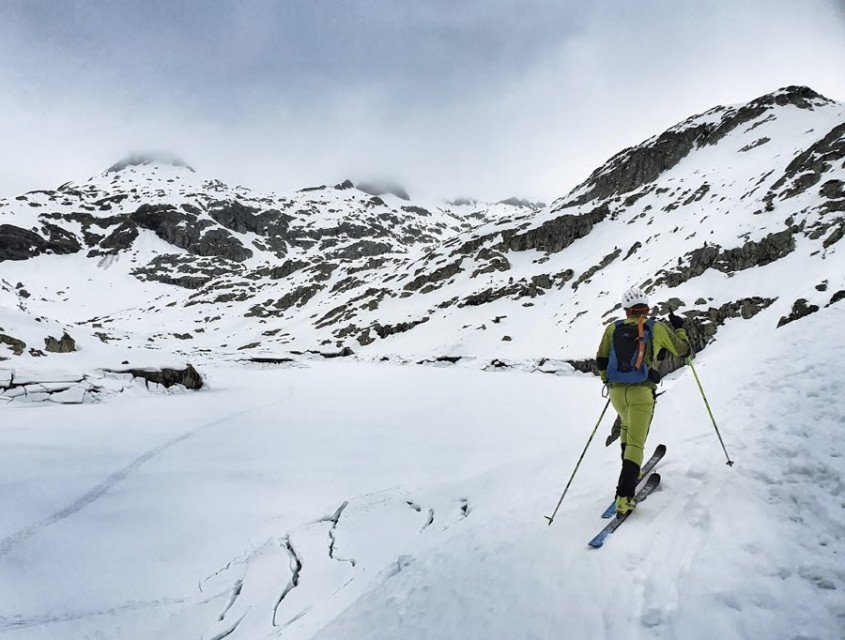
140 159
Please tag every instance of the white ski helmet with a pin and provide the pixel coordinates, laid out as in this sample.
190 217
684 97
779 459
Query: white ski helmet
634 297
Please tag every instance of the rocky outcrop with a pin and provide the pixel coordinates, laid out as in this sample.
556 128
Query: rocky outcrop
184 271
120 239
186 231
752 254
807 169
634 167
187 377
589 273
65 344
554 235
363 249
22 244
756 254
298 297
800 309
17 346
436 277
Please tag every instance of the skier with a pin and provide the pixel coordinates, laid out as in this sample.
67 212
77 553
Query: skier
626 362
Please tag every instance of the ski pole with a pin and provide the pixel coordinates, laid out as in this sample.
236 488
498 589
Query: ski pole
596 428
707 404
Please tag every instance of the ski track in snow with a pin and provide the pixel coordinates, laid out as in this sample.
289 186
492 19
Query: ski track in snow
16 623
97 492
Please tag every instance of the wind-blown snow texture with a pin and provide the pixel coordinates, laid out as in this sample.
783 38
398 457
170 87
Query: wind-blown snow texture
352 498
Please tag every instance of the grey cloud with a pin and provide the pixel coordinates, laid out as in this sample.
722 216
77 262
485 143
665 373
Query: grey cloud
489 99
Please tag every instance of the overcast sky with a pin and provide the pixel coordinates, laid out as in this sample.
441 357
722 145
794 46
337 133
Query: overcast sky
489 99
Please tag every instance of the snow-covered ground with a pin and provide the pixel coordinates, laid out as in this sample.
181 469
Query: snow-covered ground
342 499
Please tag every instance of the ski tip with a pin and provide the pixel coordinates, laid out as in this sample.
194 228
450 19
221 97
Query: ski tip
661 448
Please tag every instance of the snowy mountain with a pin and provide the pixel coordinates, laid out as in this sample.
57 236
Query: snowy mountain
711 217
300 495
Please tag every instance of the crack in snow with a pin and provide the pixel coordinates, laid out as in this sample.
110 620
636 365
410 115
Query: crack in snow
15 623
236 591
227 632
296 570
334 519
430 520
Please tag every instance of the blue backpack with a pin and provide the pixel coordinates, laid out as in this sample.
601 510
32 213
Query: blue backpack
628 347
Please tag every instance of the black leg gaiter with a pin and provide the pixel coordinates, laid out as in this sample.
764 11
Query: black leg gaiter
628 479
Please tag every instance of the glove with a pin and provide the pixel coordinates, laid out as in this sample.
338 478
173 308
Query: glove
675 321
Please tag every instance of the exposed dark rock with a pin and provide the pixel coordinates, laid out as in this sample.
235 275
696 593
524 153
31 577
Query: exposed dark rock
800 309
363 249
702 325
417 210
65 344
808 167
589 273
835 236
634 167
269 360
756 143
438 275
171 225
299 297
836 297
121 238
60 241
752 254
756 254
634 247
22 244
554 235
187 377
384 331
343 353
833 189
219 242
272 225
517 290
587 365
490 261
184 271
283 271
17 345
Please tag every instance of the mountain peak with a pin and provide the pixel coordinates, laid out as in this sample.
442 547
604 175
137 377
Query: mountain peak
142 159
796 95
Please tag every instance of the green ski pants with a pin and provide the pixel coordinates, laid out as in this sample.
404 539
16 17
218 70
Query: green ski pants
635 405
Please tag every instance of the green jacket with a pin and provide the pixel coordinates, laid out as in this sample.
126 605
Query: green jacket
665 337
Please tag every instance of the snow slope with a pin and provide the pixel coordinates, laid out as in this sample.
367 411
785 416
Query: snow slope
189 516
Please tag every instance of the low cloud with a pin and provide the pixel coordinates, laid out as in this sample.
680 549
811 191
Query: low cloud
514 101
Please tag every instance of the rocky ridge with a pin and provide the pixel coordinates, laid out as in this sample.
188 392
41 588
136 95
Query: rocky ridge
730 216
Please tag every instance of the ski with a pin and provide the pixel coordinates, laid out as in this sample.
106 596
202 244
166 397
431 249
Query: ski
658 454
650 485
